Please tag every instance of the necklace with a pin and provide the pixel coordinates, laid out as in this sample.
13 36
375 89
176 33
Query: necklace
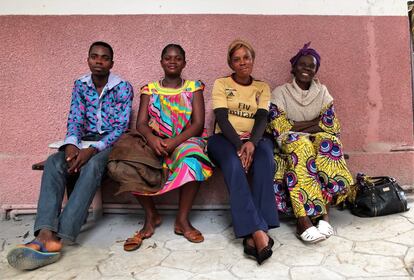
182 83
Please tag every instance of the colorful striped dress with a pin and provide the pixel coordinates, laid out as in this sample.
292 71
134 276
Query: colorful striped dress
169 114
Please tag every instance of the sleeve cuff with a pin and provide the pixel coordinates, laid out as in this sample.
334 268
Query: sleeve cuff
100 146
71 140
254 141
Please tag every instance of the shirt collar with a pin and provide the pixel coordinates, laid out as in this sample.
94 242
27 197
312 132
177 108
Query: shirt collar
113 80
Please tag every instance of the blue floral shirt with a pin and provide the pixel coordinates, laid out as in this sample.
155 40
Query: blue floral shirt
106 114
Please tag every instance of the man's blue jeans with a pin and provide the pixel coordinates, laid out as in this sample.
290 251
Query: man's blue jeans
67 223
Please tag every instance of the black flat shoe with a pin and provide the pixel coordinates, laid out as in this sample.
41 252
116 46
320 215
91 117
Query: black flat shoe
264 254
249 250
261 256
271 242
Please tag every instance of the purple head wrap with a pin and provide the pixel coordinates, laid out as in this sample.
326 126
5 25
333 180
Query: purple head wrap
306 51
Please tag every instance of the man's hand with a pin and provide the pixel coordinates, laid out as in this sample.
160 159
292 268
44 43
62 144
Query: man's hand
245 154
71 152
83 156
157 145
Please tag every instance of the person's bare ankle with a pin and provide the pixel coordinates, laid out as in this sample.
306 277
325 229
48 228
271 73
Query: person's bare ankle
261 239
303 224
183 223
156 220
45 234
153 218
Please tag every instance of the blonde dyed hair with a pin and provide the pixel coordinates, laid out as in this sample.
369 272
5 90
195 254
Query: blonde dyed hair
237 44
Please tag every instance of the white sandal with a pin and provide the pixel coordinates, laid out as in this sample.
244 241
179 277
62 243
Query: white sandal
311 235
325 228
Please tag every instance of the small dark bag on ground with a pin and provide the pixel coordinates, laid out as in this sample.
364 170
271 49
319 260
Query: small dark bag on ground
378 196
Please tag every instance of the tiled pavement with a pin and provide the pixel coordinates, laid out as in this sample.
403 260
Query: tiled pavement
363 248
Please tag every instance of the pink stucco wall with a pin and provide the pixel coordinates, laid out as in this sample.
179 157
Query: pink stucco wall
365 64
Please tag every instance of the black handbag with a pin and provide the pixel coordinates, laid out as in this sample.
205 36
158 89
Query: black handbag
378 196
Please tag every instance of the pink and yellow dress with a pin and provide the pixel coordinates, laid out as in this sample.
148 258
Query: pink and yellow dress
169 113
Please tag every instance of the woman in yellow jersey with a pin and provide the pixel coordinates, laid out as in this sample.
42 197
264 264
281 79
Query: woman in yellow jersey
311 171
245 157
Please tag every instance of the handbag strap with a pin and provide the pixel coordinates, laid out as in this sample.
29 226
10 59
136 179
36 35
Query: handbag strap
368 181
378 178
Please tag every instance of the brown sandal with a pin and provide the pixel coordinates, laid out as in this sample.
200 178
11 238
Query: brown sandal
133 243
194 235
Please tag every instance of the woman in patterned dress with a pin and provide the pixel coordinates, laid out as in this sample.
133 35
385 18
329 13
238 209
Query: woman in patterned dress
311 171
171 117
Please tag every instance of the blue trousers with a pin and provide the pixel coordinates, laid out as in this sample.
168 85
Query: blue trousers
253 205
67 223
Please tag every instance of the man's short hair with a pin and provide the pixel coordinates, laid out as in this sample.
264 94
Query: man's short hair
103 44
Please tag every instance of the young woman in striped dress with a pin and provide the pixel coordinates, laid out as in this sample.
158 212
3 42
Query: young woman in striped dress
171 117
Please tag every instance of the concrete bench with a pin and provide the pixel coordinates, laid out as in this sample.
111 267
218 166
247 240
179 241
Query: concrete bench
212 195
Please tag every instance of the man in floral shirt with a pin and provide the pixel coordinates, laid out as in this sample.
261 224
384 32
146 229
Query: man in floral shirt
100 110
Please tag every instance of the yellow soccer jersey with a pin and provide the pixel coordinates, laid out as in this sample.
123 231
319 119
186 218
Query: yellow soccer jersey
241 101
